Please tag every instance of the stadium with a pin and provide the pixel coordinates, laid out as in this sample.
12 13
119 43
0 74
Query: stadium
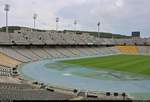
80 60
63 65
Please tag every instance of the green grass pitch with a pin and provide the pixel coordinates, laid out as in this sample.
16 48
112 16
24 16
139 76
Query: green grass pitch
138 64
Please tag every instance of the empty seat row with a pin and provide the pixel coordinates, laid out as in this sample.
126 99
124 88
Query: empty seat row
61 38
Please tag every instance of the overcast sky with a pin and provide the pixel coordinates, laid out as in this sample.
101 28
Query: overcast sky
116 16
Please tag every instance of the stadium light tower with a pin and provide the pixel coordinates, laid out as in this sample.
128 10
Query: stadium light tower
34 18
7 7
98 25
57 22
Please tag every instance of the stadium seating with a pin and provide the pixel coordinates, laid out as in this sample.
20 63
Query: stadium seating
29 50
35 53
9 51
13 56
5 71
4 38
27 53
64 38
19 38
7 61
128 49
12 91
147 49
142 49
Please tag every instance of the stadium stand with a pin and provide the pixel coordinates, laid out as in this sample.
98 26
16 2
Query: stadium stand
8 79
142 49
41 52
12 91
26 46
7 61
64 38
147 49
8 71
19 38
4 38
13 54
55 53
128 49
27 53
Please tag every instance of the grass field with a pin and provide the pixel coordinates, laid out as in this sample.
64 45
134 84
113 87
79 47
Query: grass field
138 64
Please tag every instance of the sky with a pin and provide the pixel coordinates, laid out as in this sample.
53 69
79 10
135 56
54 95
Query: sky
116 16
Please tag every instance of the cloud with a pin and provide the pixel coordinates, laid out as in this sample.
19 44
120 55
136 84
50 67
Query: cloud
116 16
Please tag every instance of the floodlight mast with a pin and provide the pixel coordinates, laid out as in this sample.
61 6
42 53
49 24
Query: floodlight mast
98 25
34 18
57 21
7 6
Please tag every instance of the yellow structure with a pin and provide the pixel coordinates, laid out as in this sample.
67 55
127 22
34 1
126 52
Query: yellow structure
128 49
8 61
